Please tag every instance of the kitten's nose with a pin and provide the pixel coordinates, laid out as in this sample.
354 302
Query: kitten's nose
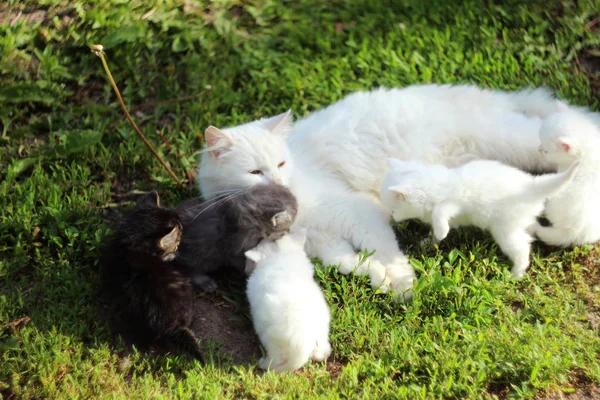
276 179
540 149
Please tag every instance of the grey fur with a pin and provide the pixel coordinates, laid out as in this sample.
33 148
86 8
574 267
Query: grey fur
216 235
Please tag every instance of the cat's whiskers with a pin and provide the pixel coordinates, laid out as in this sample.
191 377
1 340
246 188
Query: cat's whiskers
221 201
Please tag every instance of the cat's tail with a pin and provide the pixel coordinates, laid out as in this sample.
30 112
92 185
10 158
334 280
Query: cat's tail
545 186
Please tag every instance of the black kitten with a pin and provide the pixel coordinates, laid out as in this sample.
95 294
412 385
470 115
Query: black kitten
217 233
149 296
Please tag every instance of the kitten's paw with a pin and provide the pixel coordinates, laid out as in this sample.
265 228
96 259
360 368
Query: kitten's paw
517 273
204 282
265 363
321 351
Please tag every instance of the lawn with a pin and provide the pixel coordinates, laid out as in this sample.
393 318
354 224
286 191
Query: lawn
68 157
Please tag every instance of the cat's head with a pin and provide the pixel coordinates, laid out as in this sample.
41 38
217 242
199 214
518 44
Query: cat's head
245 155
151 229
270 207
402 191
566 136
291 244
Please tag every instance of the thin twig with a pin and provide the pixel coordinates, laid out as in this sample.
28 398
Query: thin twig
169 101
98 49
164 140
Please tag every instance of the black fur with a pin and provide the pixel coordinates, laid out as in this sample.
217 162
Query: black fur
217 234
149 296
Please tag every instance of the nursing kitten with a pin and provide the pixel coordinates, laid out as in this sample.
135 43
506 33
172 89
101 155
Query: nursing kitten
334 159
486 194
218 232
149 297
573 212
289 312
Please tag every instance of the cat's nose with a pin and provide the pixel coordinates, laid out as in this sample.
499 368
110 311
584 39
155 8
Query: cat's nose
540 149
276 180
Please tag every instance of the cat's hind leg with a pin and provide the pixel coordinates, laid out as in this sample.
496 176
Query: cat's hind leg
516 245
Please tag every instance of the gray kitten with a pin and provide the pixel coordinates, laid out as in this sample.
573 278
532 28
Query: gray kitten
217 233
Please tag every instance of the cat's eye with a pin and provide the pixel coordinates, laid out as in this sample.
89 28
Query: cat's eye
256 172
281 164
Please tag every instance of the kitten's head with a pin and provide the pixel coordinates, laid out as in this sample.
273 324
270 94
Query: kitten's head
270 207
402 191
151 229
566 137
246 155
289 245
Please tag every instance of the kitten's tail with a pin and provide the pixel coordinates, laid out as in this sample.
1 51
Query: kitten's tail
184 340
546 185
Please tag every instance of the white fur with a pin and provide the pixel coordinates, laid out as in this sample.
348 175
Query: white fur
336 160
486 194
289 312
574 212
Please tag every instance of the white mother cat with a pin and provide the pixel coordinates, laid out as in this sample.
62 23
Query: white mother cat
574 212
488 194
288 309
334 160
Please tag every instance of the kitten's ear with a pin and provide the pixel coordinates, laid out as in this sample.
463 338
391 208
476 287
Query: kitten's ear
281 218
280 124
151 199
399 192
565 144
254 255
218 142
298 236
170 241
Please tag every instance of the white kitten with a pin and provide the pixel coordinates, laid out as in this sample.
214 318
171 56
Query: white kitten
486 194
336 160
289 312
574 212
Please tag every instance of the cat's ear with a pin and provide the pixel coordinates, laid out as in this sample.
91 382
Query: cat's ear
280 124
170 241
565 144
151 199
281 218
298 236
254 255
399 192
218 142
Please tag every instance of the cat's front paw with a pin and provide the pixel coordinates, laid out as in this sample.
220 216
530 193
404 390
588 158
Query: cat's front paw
204 282
401 278
378 276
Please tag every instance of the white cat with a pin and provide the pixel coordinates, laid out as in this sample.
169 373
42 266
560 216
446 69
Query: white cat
574 212
334 160
488 194
289 312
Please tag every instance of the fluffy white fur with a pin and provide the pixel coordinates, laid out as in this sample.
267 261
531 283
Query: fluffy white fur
487 194
288 309
574 212
335 160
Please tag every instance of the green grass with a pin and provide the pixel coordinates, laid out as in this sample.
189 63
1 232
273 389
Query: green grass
470 331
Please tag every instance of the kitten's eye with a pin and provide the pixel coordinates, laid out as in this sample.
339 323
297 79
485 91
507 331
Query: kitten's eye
281 164
256 172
